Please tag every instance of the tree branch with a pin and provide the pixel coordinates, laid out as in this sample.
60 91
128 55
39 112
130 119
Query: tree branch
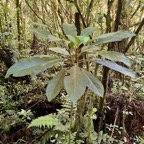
34 12
108 16
139 5
133 38
118 14
88 11
78 9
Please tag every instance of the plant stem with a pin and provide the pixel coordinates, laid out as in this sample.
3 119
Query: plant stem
80 113
104 82
90 111
71 121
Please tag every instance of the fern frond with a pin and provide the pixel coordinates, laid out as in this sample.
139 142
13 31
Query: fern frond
45 121
62 128
67 105
49 136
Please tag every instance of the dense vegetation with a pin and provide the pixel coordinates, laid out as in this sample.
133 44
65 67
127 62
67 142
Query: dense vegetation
72 72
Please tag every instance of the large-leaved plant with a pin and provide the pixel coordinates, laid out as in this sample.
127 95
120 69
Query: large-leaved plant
78 52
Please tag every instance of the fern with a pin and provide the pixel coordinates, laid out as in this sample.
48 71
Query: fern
64 114
49 137
45 121
60 124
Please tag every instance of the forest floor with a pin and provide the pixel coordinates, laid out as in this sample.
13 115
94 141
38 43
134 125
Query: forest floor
121 111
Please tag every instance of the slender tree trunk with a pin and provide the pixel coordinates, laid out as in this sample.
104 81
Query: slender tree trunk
111 47
18 24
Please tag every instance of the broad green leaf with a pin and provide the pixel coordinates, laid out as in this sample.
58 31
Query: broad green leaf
74 39
59 50
90 49
83 39
46 35
88 31
69 29
41 33
55 85
112 37
93 83
52 38
115 56
116 67
78 39
32 65
75 83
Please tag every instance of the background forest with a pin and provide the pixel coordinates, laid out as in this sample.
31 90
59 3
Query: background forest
72 71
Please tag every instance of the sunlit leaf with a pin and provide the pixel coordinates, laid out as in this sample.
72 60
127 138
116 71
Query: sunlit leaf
74 39
115 56
83 39
88 31
93 83
55 85
75 83
116 67
69 29
112 37
77 40
59 50
32 65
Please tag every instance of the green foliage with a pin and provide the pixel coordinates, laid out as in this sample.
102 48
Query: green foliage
76 77
45 121
93 83
60 41
88 31
7 100
69 29
55 85
115 56
75 82
45 35
57 126
61 129
9 120
2 90
139 139
112 37
4 35
101 137
60 50
32 66
26 115
116 67
41 33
